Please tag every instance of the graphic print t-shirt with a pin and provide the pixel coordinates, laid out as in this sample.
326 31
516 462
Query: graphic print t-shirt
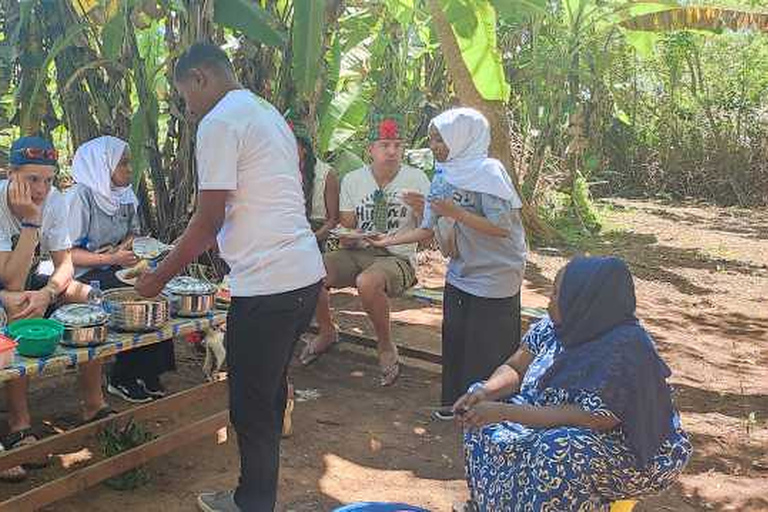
358 195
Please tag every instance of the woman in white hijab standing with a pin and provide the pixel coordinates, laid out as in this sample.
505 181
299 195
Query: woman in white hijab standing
473 210
103 219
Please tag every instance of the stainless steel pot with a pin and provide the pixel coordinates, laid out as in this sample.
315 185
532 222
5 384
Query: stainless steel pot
190 296
191 305
128 311
84 324
85 336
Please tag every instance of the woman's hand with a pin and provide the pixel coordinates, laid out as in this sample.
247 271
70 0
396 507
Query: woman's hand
123 258
20 199
485 413
413 199
469 400
447 208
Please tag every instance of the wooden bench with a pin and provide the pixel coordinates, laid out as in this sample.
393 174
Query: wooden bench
435 297
88 476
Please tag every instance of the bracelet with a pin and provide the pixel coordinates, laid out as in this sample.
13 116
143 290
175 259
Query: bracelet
477 386
25 224
53 294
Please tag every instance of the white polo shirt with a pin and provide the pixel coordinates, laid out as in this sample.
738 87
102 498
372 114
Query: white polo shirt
245 146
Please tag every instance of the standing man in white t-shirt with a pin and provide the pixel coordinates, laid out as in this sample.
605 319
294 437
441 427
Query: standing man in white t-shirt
252 202
386 197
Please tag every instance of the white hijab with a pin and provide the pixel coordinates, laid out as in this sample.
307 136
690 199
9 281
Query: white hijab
92 167
467 134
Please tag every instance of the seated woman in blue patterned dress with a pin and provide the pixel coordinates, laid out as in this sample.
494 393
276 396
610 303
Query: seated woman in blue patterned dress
581 415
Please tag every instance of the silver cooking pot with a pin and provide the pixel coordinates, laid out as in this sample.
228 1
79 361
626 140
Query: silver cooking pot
128 311
190 296
85 325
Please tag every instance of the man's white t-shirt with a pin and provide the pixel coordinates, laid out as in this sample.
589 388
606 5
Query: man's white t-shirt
54 234
357 195
245 146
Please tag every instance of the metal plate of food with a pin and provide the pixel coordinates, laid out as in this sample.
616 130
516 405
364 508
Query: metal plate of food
148 248
352 234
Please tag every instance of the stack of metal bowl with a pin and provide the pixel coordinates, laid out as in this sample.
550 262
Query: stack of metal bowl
129 311
85 325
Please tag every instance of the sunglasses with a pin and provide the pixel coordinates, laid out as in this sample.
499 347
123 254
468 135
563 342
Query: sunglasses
38 153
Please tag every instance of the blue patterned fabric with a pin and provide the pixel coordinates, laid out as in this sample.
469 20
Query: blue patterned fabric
514 468
606 350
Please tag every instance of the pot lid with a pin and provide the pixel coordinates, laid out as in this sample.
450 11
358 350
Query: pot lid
185 285
79 315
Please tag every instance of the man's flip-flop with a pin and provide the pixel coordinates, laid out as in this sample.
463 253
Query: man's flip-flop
389 374
310 354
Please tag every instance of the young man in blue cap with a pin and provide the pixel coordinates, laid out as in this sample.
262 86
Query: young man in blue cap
33 226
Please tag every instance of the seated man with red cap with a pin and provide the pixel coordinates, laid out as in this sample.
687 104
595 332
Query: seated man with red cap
385 197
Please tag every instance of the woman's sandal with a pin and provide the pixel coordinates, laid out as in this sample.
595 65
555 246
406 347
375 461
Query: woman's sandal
102 413
389 374
310 354
20 439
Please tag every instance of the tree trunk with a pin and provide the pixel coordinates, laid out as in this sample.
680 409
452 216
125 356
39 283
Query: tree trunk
494 111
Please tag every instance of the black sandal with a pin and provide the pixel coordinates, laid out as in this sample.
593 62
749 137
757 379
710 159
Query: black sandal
22 438
102 413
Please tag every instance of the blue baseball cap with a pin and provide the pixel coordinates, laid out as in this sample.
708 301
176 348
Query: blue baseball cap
33 150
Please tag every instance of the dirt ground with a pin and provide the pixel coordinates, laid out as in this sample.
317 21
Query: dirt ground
702 283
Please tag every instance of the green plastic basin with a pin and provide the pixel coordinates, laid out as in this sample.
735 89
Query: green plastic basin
37 337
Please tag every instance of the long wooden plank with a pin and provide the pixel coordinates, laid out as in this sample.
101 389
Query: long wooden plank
92 475
66 441
403 350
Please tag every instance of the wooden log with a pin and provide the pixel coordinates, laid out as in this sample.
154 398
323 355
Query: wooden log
92 475
416 353
66 441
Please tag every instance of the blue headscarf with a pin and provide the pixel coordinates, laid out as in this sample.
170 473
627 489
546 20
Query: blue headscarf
606 351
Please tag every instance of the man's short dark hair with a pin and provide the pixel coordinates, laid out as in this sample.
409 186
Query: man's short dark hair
202 55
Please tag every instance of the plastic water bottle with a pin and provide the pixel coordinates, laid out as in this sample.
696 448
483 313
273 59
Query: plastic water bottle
95 296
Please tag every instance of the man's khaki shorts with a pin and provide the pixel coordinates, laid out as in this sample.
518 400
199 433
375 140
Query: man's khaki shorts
347 264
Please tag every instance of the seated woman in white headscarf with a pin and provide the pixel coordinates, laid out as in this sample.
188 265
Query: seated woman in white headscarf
103 219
